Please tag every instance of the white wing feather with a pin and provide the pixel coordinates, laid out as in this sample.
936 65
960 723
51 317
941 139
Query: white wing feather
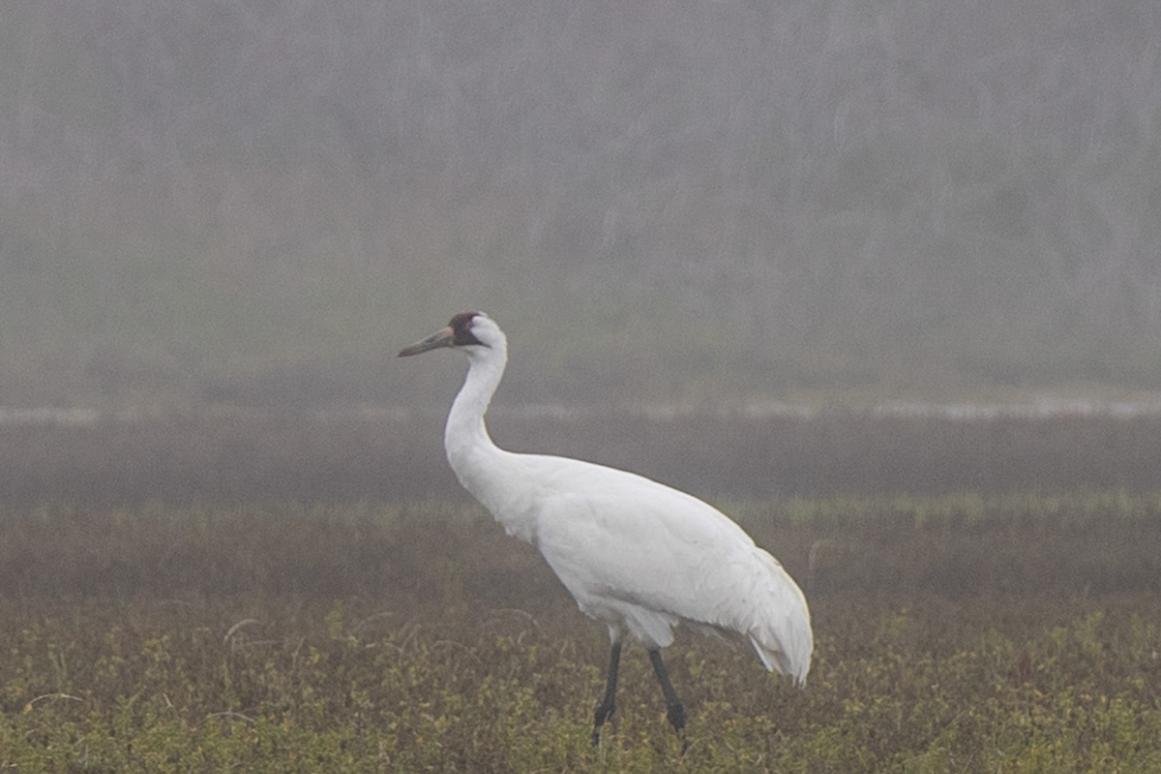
643 555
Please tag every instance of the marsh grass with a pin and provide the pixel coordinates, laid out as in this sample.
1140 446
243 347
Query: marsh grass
1014 633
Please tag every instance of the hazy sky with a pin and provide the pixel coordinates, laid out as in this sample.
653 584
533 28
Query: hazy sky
250 201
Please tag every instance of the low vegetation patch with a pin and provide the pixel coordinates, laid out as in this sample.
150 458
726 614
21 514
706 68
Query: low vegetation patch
970 633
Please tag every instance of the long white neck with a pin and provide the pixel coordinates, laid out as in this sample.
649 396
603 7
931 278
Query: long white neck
466 435
491 474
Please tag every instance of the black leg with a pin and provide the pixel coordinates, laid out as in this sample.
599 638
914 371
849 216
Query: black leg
673 709
608 704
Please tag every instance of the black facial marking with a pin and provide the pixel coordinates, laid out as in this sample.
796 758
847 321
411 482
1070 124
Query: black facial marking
461 325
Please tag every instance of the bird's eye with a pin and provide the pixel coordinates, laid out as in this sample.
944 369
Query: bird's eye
461 326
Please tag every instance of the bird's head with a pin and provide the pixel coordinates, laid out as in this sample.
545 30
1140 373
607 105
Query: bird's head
471 332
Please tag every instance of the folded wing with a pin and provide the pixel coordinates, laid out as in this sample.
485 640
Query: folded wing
643 555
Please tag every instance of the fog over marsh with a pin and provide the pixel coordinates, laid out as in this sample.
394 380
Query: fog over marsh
257 203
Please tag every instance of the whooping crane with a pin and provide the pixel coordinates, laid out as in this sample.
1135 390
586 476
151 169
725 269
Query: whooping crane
638 555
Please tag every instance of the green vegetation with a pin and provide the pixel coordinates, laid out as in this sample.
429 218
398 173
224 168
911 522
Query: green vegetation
959 632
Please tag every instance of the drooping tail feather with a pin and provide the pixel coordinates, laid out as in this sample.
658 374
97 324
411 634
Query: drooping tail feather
781 633
783 663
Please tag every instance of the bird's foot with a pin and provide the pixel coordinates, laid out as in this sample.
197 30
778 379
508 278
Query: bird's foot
676 714
603 713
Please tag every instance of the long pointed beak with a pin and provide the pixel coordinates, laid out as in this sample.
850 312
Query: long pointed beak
444 337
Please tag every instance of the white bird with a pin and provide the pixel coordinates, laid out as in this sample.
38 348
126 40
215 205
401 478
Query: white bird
638 555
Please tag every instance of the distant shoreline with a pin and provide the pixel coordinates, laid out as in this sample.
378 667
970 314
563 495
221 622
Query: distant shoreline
1044 406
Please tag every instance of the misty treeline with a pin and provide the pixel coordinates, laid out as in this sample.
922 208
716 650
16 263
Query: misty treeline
261 201
307 458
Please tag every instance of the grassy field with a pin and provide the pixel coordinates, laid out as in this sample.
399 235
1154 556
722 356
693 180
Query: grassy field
1013 632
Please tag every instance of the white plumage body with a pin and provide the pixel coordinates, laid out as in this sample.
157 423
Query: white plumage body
638 555
643 557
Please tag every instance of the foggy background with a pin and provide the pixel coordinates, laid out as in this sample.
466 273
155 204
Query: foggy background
258 203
